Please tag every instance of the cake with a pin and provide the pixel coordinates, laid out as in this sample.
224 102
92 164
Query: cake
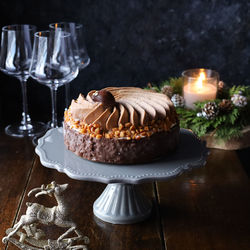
121 125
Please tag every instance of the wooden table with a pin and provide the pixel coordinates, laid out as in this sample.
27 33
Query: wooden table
207 208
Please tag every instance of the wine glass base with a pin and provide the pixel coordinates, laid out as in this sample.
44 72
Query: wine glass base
16 130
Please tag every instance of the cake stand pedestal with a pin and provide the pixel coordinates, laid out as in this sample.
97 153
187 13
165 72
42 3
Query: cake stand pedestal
121 202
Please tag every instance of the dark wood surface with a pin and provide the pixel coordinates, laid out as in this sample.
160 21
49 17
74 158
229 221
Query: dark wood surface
206 208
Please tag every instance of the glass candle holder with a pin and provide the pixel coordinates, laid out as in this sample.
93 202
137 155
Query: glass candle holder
199 85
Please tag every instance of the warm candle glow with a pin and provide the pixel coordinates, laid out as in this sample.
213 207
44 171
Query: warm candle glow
56 24
200 80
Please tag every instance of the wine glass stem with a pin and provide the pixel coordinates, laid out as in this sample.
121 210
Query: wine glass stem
53 91
25 116
67 95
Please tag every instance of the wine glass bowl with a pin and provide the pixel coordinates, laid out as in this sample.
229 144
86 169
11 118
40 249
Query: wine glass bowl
53 63
16 49
15 58
77 41
80 53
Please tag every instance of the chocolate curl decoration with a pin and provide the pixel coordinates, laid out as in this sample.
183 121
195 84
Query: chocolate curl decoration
105 97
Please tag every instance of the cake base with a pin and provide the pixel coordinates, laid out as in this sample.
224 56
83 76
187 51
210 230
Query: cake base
121 151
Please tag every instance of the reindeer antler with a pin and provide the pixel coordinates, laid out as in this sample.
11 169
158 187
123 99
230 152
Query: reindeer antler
34 190
45 192
50 188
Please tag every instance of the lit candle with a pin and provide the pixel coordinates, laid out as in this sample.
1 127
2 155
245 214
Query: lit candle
199 85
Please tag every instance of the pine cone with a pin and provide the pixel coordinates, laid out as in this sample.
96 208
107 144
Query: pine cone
221 90
210 110
151 87
225 105
239 100
221 85
167 90
178 100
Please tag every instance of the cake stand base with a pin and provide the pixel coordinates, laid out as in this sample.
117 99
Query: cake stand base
122 204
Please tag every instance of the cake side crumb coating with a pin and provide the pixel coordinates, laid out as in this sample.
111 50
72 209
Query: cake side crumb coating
121 151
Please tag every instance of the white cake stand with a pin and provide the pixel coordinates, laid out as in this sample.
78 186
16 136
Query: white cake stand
121 202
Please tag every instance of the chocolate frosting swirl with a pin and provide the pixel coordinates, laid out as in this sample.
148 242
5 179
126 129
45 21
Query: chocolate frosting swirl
135 105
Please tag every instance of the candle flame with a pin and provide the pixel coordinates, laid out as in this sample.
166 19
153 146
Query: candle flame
56 25
200 80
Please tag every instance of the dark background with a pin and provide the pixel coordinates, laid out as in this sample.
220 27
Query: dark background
132 42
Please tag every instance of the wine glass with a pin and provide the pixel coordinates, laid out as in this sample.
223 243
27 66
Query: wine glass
78 45
53 63
15 57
